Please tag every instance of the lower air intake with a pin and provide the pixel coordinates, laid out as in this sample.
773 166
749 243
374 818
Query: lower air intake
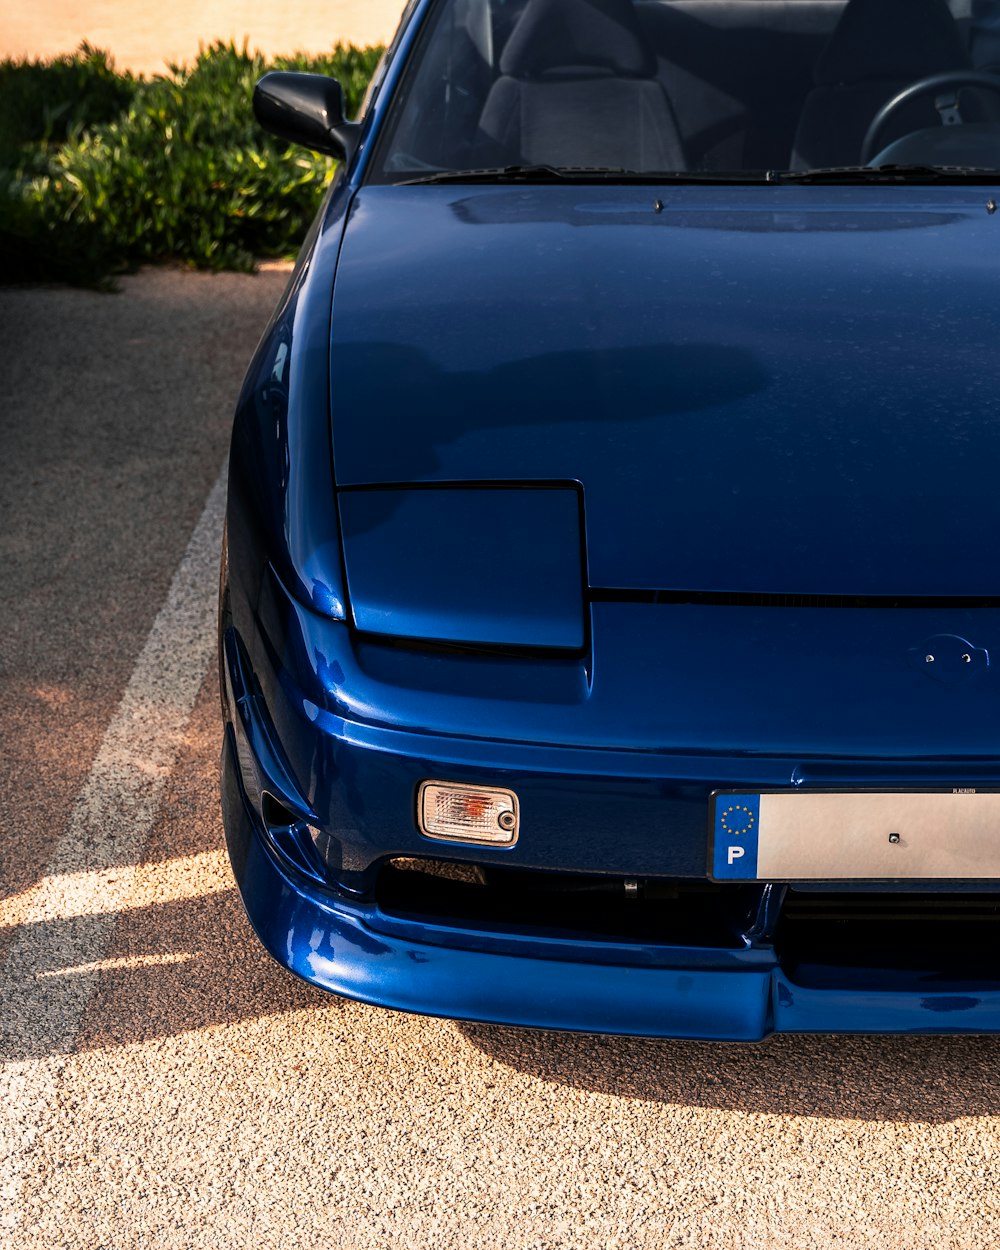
888 939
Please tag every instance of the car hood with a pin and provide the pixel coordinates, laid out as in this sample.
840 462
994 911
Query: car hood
778 390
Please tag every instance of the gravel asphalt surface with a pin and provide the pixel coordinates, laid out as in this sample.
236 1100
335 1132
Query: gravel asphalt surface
163 1084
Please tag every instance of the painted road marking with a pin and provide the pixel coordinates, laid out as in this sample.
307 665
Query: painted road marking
97 855
125 963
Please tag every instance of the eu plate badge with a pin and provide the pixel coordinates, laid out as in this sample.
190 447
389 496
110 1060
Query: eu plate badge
734 839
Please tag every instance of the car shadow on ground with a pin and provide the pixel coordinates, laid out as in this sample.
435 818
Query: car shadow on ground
178 957
172 968
908 1079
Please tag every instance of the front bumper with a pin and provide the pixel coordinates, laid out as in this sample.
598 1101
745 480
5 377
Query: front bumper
345 945
346 752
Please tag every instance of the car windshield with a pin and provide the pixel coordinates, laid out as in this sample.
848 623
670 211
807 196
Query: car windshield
698 90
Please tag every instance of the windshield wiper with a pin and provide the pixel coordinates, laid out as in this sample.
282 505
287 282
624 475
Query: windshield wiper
574 173
844 174
849 174
513 173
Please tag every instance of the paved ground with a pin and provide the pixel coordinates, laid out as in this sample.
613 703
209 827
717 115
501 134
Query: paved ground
163 1085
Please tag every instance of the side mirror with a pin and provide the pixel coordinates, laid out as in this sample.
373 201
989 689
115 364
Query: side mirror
306 109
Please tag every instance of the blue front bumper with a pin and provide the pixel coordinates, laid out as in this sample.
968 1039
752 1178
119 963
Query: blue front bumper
347 946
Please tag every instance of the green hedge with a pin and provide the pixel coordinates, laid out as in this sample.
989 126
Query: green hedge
174 167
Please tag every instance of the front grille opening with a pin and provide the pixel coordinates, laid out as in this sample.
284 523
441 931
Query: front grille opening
882 940
569 905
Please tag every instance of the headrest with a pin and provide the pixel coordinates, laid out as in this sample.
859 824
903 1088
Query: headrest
593 34
902 40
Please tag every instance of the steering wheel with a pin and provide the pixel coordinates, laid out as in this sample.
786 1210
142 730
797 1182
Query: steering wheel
950 84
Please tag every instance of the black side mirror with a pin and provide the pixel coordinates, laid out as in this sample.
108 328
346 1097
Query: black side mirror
306 109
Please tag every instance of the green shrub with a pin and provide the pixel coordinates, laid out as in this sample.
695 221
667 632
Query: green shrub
42 103
184 172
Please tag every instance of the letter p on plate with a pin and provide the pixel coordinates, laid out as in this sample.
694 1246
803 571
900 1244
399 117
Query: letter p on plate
734 853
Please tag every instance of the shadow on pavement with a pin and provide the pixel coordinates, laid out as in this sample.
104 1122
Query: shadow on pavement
905 1079
173 968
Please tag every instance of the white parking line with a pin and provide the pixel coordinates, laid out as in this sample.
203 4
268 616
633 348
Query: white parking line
108 828
94 893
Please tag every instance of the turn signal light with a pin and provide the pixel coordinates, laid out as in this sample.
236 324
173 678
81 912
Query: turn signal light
460 813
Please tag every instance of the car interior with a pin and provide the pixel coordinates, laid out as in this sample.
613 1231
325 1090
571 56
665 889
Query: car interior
699 85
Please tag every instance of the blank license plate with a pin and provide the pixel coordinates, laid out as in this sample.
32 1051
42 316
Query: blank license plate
870 836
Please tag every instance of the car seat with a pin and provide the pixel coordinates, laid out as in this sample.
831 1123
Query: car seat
578 86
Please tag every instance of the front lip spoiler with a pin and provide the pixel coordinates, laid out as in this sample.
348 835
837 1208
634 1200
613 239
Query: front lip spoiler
327 941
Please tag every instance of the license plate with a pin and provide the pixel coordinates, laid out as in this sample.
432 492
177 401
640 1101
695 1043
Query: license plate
910 835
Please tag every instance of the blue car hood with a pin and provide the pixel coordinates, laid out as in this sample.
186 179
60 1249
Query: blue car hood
783 390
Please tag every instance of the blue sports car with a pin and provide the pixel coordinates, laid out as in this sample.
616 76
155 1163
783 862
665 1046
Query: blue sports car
610 604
